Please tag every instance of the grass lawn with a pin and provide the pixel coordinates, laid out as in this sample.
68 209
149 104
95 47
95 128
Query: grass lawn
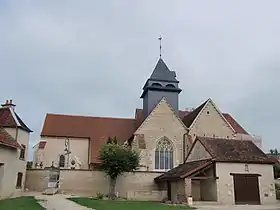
20 203
125 205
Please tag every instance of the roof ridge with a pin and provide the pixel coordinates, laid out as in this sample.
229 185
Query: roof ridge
190 118
72 115
208 159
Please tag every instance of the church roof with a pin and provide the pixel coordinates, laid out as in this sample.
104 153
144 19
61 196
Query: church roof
188 119
9 118
98 129
7 140
162 72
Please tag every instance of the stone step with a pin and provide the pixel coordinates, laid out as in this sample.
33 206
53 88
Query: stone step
50 191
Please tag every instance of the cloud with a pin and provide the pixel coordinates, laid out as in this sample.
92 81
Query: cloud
93 57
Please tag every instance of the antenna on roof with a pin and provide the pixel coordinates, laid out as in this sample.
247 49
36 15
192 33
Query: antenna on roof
160 38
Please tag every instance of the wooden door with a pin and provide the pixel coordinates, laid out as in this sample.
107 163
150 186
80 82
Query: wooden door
246 189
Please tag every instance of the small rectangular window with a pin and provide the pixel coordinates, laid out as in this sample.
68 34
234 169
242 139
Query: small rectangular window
22 152
19 179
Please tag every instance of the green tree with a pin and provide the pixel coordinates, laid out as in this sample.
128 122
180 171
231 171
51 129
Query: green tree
274 152
115 160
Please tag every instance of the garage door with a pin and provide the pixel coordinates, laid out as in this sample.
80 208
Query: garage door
246 189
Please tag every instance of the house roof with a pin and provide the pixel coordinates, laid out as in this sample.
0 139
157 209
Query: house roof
184 170
8 118
7 140
274 158
97 129
220 150
232 150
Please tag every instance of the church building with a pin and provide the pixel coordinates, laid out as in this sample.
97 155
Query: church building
200 152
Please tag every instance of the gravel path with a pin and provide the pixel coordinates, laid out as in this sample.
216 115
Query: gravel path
58 202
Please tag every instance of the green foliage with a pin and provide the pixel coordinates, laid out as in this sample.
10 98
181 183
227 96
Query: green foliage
99 195
112 140
20 203
117 159
276 169
29 164
274 152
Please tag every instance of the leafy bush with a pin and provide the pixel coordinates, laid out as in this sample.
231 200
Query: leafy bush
99 195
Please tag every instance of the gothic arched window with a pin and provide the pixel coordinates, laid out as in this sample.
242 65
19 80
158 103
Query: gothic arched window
164 154
61 161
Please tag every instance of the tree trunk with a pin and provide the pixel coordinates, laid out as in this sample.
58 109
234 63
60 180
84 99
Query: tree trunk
112 190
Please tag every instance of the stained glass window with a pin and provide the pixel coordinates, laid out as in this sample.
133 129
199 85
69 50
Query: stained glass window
164 154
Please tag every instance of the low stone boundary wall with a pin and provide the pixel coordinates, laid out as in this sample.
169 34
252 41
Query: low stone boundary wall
139 185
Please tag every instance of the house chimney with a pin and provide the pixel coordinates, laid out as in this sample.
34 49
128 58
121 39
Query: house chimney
9 103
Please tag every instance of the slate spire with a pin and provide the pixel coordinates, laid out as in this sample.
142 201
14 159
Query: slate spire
162 83
162 72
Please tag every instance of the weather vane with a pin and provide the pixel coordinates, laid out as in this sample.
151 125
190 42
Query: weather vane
160 38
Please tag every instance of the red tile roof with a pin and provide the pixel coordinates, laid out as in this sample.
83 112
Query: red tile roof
190 117
236 126
8 118
232 150
220 150
97 129
274 158
7 140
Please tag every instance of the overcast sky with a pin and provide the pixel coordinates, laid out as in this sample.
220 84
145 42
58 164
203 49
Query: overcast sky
93 57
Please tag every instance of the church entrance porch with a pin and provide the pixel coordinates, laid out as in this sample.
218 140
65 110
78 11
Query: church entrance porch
196 179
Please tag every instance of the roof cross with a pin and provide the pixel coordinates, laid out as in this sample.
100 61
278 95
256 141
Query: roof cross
160 38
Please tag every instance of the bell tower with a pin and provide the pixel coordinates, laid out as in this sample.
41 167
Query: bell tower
162 83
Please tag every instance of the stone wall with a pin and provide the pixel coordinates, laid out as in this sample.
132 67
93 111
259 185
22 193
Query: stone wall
225 183
139 185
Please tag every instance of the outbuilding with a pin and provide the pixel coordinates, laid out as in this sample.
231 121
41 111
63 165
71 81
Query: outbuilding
226 171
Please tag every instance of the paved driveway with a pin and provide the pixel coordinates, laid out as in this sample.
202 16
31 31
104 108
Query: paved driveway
238 207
